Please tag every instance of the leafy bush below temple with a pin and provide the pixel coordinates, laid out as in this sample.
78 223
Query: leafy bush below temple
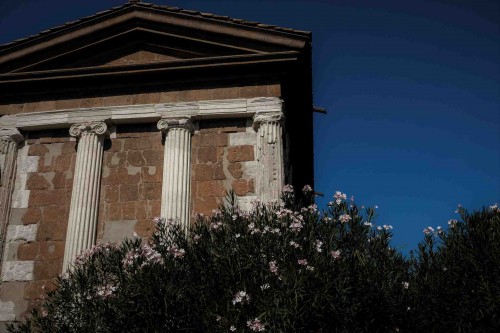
279 268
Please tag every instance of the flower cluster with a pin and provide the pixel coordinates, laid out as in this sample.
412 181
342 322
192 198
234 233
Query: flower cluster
146 254
339 197
216 225
307 189
335 254
106 291
255 325
88 253
176 252
344 218
273 267
429 230
241 297
318 244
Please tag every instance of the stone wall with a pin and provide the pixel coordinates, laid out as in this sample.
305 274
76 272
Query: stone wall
36 234
131 183
223 158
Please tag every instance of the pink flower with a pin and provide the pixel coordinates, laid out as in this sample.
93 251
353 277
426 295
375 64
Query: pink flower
273 267
428 230
255 325
241 297
287 189
302 262
335 254
344 218
339 197
307 189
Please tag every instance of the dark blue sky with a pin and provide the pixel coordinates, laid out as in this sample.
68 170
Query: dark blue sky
412 90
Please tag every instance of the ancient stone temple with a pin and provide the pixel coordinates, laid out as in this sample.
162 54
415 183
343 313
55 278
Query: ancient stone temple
135 112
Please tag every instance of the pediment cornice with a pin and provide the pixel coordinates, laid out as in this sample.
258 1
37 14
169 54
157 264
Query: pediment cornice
216 35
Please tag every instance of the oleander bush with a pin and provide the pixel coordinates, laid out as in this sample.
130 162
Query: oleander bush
283 267
455 283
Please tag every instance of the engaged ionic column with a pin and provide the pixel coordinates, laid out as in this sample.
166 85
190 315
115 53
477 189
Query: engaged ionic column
9 140
83 211
269 179
175 194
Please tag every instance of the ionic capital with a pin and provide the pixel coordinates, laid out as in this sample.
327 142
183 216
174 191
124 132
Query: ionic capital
267 117
97 128
7 135
166 124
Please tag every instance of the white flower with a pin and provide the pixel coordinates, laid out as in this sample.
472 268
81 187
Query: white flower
452 223
368 224
387 227
307 189
339 197
241 297
265 286
287 189
310 268
429 230
344 218
319 244
406 285
232 328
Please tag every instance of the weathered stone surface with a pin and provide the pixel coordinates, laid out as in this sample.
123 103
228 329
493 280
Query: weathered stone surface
33 215
240 153
207 154
18 271
242 139
211 188
117 231
21 233
47 269
235 170
7 311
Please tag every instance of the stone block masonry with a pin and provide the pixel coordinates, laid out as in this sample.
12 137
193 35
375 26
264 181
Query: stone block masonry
131 183
34 246
222 157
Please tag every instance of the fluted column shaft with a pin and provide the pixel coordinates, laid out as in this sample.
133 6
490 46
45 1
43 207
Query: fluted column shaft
270 168
176 186
83 211
9 140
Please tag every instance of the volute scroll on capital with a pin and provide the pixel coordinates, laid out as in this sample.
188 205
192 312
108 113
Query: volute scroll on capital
165 124
97 127
267 117
7 135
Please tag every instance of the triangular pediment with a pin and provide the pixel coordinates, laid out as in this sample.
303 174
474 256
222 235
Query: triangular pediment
139 34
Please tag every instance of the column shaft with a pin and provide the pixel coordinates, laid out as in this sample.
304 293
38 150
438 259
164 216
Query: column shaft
83 212
270 168
9 140
176 186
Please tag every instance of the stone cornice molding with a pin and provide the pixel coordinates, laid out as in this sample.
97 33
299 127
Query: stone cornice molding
213 109
166 124
97 127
